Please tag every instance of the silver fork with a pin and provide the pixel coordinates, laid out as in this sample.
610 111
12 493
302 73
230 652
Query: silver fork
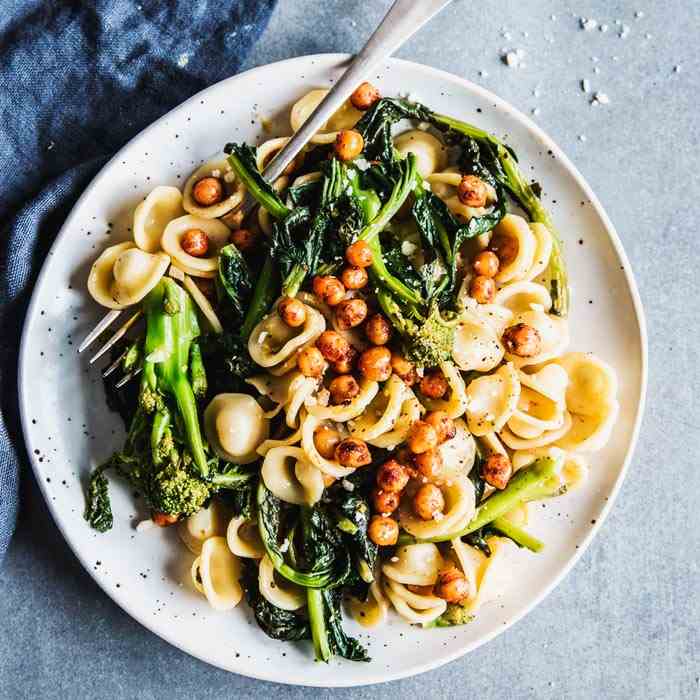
404 18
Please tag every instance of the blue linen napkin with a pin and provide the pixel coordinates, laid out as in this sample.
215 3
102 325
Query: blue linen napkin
77 80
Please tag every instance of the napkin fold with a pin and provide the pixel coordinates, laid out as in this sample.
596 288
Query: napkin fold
78 80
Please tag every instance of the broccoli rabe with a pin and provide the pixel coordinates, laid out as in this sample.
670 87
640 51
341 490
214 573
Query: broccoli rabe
455 614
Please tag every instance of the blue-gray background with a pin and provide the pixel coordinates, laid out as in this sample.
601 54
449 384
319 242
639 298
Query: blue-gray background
625 623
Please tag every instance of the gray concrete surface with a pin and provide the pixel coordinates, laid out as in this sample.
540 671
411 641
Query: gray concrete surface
625 623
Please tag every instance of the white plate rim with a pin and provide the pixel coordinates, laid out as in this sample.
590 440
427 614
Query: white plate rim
513 113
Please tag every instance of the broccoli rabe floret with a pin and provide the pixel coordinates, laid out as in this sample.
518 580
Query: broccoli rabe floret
430 343
176 492
454 615
150 400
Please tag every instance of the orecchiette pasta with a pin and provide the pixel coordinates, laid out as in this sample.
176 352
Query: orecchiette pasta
217 233
124 274
409 414
235 426
219 570
373 611
200 526
520 296
273 341
476 345
281 593
345 118
430 153
383 412
234 189
492 400
243 538
327 466
288 474
456 403
553 333
161 206
522 241
458 454
345 412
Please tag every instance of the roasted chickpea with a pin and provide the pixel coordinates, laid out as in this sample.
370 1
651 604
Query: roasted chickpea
486 264
310 362
429 464
472 191
163 519
404 369
505 247
383 531
428 501
195 242
375 363
364 97
343 389
244 239
346 364
378 330
452 585
326 439
522 340
482 289
292 311
433 384
329 289
353 452
359 254
385 502
348 145
497 470
208 191
354 277
443 424
350 313
333 346
392 476
422 437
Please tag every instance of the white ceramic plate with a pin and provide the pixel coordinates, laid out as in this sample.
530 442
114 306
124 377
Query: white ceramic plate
68 428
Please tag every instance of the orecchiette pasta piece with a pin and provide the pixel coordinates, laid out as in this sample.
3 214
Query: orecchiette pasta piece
345 118
243 538
492 444
266 150
430 152
476 345
161 206
327 466
219 572
492 399
456 403
416 608
373 611
217 233
553 332
235 426
288 391
460 504
382 413
542 403
209 275
543 250
124 274
410 412
281 593
200 526
520 236
520 296
272 341
345 412
234 189
203 304
547 438
493 574
289 476
414 564
591 399
458 454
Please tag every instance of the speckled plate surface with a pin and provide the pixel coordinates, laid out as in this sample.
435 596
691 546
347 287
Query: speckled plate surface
68 428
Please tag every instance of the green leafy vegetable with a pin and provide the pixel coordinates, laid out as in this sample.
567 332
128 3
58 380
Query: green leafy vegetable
234 279
98 509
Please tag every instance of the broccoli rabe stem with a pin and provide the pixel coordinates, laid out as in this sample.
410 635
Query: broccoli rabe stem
521 190
317 622
198 374
161 423
263 295
517 534
521 487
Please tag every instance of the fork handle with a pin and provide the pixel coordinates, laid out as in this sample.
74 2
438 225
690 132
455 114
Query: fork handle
405 18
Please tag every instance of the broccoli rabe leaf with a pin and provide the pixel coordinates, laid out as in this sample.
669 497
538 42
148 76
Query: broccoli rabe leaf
98 509
375 125
283 625
234 281
340 643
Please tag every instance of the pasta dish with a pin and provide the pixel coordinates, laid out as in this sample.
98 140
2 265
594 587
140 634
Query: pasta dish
346 389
